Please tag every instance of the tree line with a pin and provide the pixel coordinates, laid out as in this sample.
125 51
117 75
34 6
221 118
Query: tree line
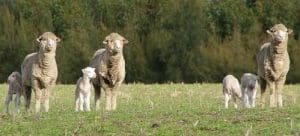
169 41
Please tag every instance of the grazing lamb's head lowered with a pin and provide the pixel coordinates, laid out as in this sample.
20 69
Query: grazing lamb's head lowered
114 43
279 33
14 77
48 42
89 72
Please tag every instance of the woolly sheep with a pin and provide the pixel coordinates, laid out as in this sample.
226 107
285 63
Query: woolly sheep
110 69
273 64
14 87
39 71
249 86
83 89
231 89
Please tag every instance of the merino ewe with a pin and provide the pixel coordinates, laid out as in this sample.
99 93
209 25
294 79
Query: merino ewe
249 85
14 87
110 69
39 71
273 64
83 89
231 88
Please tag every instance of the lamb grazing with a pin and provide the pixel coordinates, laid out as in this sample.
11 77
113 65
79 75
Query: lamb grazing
83 89
39 71
110 69
231 88
249 85
273 64
14 87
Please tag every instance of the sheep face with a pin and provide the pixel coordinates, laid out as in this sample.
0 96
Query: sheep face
114 43
13 77
48 41
279 33
89 72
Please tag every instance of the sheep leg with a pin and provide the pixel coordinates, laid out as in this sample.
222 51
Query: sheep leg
97 96
7 101
81 102
38 95
17 102
246 98
27 96
279 87
263 87
226 100
273 95
253 97
234 99
87 101
77 102
114 99
108 99
46 97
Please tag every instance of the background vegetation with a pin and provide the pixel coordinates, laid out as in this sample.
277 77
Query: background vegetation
178 41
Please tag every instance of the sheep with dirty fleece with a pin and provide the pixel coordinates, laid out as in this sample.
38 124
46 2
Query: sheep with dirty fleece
231 90
39 71
110 69
249 84
83 89
14 87
273 64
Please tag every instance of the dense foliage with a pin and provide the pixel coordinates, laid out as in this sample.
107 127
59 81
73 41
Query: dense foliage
177 41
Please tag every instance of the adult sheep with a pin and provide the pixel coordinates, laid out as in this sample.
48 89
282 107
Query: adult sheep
273 64
39 71
110 70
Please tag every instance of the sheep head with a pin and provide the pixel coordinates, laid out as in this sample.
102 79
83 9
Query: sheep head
89 72
279 33
114 43
48 42
13 77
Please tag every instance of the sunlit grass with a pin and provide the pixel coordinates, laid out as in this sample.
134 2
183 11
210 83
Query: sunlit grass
168 109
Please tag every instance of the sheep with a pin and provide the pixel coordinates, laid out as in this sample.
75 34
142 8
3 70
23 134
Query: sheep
273 64
249 84
39 71
83 89
14 87
231 88
110 70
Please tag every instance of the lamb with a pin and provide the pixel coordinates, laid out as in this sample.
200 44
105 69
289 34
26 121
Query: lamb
273 64
83 89
110 69
231 89
14 87
39 71
249 84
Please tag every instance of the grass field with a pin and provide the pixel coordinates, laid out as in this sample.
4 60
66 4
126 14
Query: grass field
167 109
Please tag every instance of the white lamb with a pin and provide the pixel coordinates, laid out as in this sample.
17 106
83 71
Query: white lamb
249 85
14 87
231 89
83 89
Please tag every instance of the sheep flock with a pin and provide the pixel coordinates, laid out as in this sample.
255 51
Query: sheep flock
106 72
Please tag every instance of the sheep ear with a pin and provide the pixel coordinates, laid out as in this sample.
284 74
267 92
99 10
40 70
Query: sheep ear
289 31
269 32
83 70
58 39
107 38
39 39
105 42
125 41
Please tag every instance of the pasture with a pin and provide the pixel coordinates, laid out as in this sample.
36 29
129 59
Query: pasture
156 109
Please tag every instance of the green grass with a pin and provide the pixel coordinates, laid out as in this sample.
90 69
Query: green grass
168 109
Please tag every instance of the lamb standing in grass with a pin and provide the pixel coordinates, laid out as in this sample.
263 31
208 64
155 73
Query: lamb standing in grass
83 89
14 87
39 71
231 89
273 64
249 85
110 69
